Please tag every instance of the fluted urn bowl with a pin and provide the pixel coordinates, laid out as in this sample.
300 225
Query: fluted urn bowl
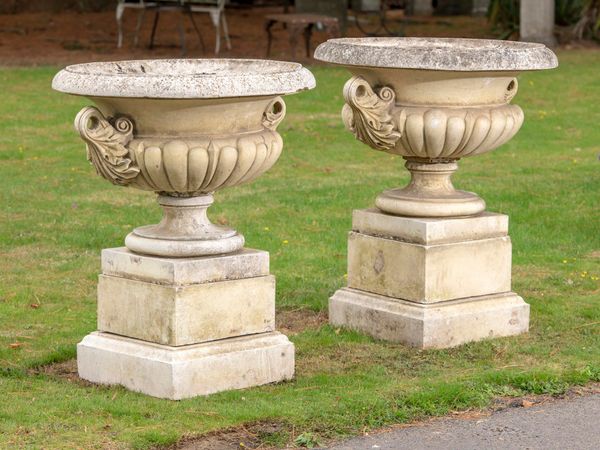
433 101
184 129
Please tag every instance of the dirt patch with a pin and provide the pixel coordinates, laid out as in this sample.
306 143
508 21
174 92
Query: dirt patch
500 403
346 357
249 436
594 255
295 321
255 436
65 370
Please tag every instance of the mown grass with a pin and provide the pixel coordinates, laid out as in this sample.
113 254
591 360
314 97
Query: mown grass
56 215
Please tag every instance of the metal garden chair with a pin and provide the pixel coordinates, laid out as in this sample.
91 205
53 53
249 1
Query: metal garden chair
140 5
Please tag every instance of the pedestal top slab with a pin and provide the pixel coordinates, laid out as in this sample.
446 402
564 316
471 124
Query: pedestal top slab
448 54
247 263
429 231
184 78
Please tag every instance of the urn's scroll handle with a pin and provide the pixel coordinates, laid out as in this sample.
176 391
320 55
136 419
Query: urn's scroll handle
368 114
274 113
107 145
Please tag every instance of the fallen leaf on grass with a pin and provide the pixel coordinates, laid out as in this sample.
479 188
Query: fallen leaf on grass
15 345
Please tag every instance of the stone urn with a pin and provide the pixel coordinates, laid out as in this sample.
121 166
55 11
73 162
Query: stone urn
183 129
184 309
429 266
433 102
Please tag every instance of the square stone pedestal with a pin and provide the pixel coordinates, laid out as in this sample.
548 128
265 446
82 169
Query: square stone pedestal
429 283
180 327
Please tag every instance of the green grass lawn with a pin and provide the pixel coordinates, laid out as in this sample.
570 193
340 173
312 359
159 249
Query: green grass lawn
56 215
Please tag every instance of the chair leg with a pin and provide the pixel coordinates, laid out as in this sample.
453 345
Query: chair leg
181 34
226 31
120 10
218 38
268 27
156 16
190 12
216 21
138 27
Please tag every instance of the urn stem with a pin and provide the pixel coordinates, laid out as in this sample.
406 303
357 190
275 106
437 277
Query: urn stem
184 231
431 178
430 193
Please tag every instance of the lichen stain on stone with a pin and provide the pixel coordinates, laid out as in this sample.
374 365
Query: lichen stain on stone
379 263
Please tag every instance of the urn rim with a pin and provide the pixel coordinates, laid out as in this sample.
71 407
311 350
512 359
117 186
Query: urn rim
201 78
439 54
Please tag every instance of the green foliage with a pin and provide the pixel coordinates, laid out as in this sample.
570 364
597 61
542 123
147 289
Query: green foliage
568 12
504 14
591 373
588 25
550 386
155 438
308 440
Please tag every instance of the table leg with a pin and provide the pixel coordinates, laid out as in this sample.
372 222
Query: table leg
307 36
294 31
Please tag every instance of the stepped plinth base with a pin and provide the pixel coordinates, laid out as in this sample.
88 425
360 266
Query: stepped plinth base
187 371
427 282
437 325
180 327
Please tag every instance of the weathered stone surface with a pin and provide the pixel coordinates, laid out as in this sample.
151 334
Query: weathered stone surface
441 325
247 263
186 314
183 128
433 102
429 273
181 372
184 78
446 54
429 231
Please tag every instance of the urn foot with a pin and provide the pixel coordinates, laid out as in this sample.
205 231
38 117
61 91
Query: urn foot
430 194
184 231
